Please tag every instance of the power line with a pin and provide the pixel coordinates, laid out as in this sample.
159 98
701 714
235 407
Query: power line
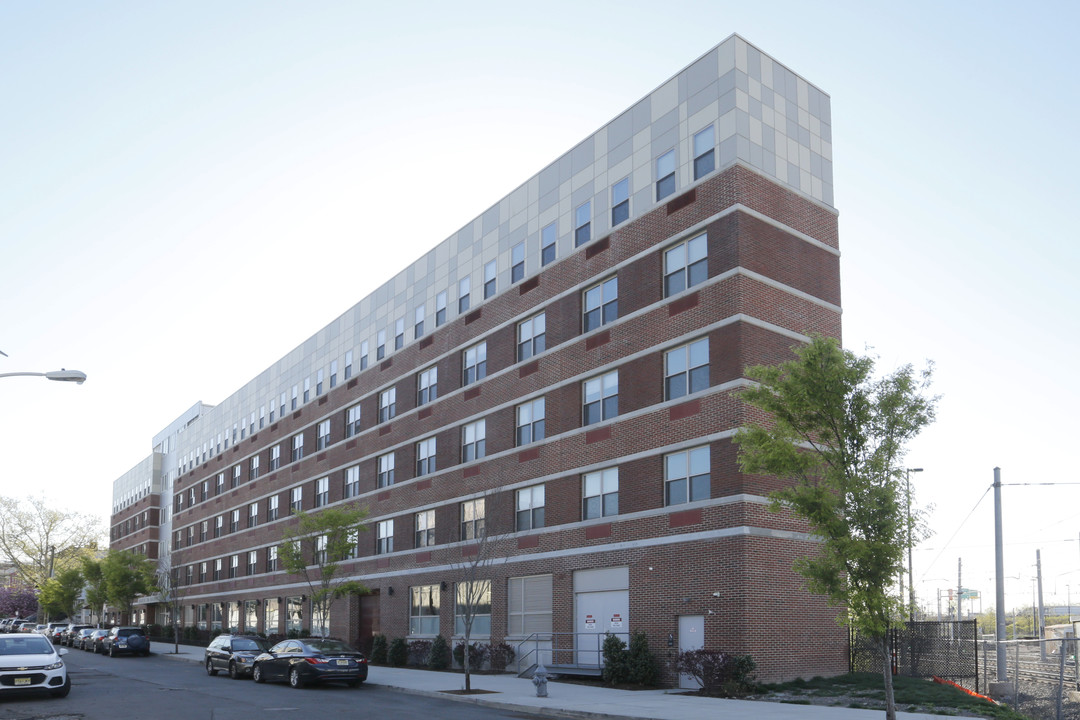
956 532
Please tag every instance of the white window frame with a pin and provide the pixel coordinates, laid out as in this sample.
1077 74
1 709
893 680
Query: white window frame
600 493
474 441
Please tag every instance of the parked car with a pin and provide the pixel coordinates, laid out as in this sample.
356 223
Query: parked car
131 640
68 635
311 660
94 641
234 653
79 636
30 662
39 628
53 630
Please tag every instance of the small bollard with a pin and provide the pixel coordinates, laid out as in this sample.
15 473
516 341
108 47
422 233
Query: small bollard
540 679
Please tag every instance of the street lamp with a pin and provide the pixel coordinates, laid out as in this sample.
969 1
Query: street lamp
76 376
910 579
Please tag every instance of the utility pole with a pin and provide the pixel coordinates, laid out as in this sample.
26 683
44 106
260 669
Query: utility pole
911 580
999 594
1042 618
959 587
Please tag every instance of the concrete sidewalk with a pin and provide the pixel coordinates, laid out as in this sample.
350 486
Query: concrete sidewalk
508 692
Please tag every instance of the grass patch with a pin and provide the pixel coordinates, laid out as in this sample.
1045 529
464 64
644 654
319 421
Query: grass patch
865 690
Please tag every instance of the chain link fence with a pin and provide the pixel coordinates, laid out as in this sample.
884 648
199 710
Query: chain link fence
1042 677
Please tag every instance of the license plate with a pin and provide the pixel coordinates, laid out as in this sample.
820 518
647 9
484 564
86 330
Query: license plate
121 644
22 681
341 662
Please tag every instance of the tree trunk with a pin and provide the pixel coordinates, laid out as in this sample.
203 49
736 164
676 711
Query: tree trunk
886 669
465 657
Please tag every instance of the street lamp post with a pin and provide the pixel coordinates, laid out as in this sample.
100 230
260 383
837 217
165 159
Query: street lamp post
910 578
76 376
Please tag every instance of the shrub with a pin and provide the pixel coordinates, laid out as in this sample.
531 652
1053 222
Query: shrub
438 657
418 652
501 656
378 650
477 655
616 669
640 662
719 674
398 652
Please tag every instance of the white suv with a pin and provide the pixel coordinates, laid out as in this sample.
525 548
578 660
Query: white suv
30 662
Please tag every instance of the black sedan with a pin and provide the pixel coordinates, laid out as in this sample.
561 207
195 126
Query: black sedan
311 660
235 653
94 642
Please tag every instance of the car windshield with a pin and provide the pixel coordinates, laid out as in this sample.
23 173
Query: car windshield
25 646
329 646
240 644
124 632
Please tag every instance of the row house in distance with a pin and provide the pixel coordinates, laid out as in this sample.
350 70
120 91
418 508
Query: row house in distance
560 374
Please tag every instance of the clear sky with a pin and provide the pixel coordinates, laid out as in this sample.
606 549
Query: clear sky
190 190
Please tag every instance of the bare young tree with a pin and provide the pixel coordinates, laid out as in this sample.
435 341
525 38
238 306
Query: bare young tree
473 572
170 594
39 540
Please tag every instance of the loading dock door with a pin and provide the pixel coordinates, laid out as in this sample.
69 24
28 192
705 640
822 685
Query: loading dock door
600 612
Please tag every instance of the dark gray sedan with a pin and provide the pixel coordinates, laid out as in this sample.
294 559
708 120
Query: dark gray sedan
234 654
311 660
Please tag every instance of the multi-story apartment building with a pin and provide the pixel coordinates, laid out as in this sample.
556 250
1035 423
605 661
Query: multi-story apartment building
561 375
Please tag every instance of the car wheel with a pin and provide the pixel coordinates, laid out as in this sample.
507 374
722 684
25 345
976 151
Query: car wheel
210 669
294 678
233 672
63 691
256 674
112 651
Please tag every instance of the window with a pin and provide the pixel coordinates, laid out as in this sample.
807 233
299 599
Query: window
294 618
322 492
307 390
320 550
425 456
333 375
472 519
532 336
384 537
548 238
620 202
202 572
528 607
348 364
253 559
188 573
204 491
295 395
399 333
191 536
386 470
665 175
474 441
219 523
685 265
322 435
253 515
220 484
530 421
296 499
517 262
352 482
473 598
364 355
235 477
427 385
490 274
601 398
424 610
600 494
686 369
275 458
583 224
440 308
271 559
530 508
425 529
319 381
704 153
463 295
418 322
297 447
601 304
686 476
234 564
272 508
387 404
217 569
380 345
203 530
253 467
352 421
475 363
234 523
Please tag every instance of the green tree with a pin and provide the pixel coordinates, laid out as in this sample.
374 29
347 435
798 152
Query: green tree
315 547
60 594
126 576
839 435
96 596
39 540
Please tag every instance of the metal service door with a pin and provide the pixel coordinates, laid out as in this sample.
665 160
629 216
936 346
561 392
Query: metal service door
599 612
691 637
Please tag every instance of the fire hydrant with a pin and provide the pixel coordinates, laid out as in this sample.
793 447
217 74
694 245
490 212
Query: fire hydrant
540 679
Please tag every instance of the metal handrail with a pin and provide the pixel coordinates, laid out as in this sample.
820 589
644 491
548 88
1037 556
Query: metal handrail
575 649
